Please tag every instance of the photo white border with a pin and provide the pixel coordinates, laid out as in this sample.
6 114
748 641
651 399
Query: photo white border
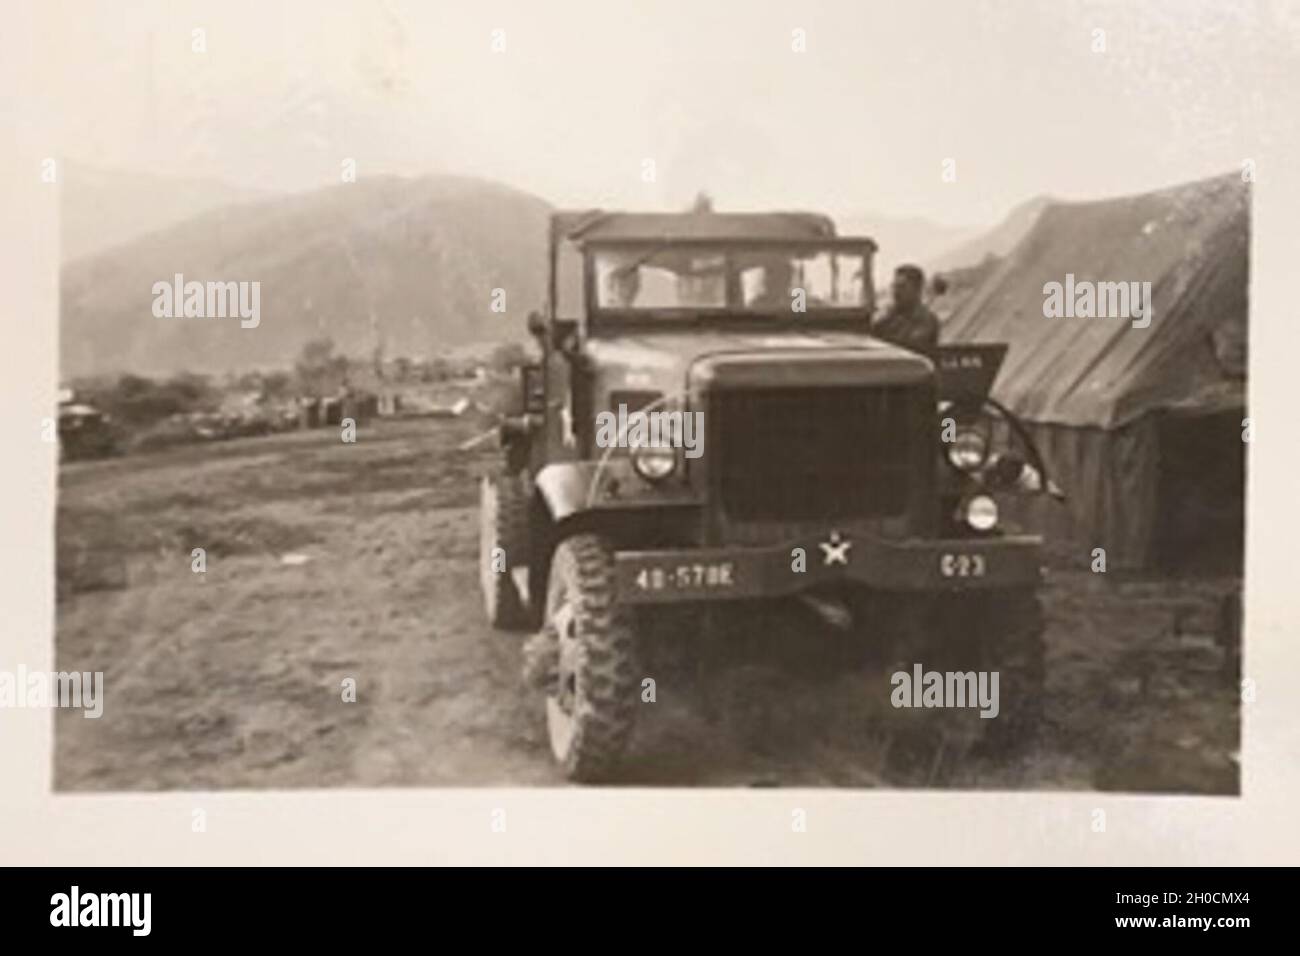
638 826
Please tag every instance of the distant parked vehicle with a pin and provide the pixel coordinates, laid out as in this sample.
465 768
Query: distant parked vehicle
85 432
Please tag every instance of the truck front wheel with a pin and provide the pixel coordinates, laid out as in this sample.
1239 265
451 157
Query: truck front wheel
592 696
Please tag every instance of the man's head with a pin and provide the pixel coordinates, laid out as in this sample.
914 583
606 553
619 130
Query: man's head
624 283
908 282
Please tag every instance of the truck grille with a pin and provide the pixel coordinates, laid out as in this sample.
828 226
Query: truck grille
811 454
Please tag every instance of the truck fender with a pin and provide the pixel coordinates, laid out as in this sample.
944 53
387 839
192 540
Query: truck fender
565 486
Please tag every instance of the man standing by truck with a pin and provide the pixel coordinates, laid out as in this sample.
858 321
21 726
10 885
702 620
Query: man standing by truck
908 322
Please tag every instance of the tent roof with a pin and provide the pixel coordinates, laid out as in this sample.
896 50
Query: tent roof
1191 242
597 226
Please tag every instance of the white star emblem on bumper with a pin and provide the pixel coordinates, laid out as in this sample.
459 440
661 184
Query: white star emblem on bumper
836 550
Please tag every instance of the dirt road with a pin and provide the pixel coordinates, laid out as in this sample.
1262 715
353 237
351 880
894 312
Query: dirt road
233 678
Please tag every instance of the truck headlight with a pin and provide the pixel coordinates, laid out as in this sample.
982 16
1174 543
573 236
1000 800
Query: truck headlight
654 462
980 512
968 450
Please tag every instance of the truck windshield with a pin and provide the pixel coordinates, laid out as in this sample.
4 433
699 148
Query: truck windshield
769 280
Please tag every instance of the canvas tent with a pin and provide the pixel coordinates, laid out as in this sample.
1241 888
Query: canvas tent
1140 426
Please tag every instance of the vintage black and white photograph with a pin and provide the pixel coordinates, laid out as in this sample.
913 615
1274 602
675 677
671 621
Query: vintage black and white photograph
667 395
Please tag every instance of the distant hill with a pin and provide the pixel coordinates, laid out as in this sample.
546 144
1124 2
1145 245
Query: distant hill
102 208
406 265
903 240
997 241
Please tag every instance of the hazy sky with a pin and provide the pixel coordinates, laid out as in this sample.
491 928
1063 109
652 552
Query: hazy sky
585 92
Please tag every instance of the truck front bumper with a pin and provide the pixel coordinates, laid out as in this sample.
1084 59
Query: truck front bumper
714 574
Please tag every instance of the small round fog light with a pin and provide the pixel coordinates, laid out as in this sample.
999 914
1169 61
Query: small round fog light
982 513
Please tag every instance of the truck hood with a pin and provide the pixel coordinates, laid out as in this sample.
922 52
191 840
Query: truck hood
671 361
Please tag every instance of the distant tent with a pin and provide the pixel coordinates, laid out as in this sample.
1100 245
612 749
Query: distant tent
1142 427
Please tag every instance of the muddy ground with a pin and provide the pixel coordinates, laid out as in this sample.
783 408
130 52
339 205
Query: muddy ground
232 678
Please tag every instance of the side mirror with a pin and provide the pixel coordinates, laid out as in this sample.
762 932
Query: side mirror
564 336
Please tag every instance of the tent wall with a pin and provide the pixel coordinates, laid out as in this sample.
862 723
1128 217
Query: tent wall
1110 478
1165 492
1201 493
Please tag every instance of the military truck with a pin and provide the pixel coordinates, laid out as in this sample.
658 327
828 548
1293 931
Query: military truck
829 465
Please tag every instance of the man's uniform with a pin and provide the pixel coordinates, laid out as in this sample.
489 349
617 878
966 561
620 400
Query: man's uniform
917 330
